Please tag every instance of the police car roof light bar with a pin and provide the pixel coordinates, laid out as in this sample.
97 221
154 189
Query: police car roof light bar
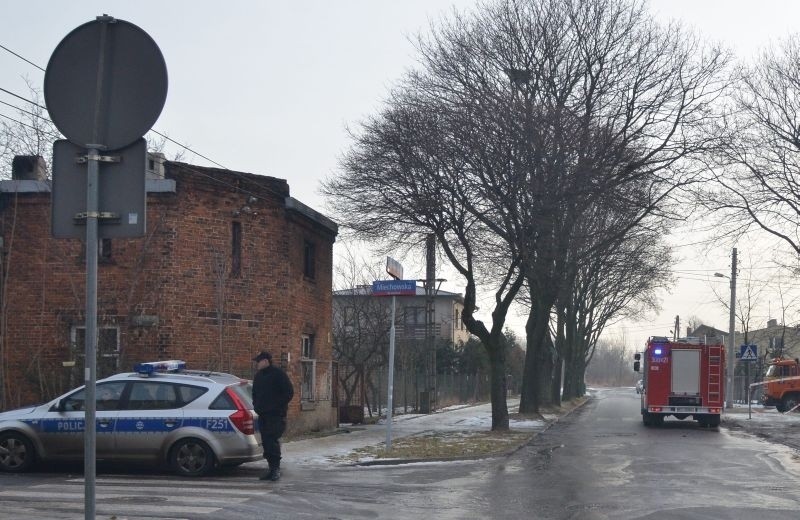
148 369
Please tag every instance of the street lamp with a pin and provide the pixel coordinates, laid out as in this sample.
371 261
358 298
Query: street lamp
731 332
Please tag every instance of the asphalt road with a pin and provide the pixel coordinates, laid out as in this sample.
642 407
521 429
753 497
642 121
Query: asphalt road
599 462
602 463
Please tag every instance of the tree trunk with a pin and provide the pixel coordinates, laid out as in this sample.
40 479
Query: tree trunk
499 387
557 381
545 371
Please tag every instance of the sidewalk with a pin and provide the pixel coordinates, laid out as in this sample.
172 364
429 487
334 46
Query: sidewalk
363 444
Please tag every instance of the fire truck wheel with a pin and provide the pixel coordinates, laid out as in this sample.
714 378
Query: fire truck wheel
789 402
710 421
651 419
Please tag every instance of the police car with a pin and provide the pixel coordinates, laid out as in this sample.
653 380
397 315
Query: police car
161 413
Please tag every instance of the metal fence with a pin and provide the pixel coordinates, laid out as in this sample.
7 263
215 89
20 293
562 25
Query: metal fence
410 394
740 384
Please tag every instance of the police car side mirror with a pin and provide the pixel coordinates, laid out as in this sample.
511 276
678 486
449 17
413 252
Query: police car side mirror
636 366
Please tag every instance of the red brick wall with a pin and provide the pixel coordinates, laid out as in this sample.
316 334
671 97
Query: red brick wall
173 273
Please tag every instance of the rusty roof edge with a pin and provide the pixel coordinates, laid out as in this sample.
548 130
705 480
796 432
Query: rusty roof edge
293 204
31 186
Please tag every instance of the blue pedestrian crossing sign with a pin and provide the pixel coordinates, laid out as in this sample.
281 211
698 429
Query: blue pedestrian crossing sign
748 352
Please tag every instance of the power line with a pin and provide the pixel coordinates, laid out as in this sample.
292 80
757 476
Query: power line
22 98
20 57
717 270
187 148
19 122
23 110
152 129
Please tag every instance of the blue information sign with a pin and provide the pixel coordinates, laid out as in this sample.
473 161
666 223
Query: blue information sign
394 288
748 352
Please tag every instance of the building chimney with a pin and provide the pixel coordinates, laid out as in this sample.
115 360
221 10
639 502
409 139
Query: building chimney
688 331
772 323
155 165
28 168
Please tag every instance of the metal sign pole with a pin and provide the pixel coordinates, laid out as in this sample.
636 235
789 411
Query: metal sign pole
390 394
90 430
105 85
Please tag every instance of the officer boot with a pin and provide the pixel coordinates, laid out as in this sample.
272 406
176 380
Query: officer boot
267 475
276 474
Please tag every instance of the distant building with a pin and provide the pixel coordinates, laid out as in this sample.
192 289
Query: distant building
410 313
707 334
772 340
230 264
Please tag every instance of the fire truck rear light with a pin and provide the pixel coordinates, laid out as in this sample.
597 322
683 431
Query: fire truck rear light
715 410
655 408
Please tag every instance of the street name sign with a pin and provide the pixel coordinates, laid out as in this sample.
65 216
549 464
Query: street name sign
394 288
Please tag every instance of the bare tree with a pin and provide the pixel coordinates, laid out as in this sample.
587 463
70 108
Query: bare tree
520 117
692 323
361 325
30 133
757 172
618 284
749 292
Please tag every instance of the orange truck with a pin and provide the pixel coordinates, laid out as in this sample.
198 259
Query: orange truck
682 378
782 384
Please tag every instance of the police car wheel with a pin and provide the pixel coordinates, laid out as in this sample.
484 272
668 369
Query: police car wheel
16 452
191 458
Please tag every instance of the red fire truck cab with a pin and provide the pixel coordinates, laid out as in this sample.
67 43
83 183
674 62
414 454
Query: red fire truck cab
681 378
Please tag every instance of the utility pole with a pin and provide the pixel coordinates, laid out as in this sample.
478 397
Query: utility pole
429 404
677 333
731 332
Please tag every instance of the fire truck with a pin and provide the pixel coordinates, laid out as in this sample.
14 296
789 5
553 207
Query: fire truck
682 378
782 384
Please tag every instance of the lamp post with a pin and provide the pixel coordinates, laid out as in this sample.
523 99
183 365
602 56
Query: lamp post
731 332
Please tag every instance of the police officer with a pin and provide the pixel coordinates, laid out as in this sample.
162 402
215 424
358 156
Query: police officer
272 391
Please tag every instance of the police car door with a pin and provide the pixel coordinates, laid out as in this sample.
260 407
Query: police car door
151 413
62 428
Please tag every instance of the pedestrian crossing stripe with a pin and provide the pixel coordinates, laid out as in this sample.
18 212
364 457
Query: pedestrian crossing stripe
128 498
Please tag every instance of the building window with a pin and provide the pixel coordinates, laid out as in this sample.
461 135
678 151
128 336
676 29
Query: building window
308 375
236 250
308 368
349 318
414 316
104 250
309 260
107 348
414 322
307 346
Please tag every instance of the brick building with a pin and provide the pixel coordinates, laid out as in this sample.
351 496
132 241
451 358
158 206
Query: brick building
230 264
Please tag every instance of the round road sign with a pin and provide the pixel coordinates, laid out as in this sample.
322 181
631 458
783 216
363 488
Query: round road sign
105 84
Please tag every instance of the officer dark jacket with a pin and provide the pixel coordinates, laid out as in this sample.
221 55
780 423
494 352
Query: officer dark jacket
272 391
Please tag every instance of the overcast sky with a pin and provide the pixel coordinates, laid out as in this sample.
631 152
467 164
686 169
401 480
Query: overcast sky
269 88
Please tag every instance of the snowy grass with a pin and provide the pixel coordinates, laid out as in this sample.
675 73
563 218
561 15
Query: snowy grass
442 445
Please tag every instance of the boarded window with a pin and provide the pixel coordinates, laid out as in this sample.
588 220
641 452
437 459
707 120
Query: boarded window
307 346
107 348
309 260
236 250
